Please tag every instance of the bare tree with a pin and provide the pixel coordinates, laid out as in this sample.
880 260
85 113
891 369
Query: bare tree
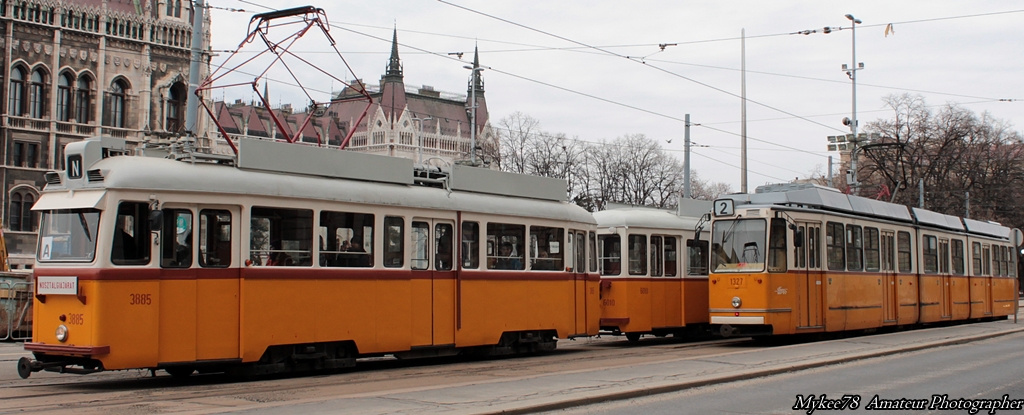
961 158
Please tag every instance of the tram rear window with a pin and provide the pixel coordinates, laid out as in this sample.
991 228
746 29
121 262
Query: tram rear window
68 235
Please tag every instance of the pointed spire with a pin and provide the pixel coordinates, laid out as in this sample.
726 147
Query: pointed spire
394 72
478 81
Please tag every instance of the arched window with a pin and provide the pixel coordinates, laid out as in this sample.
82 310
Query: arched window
16 93
64 97
83 100
175 107
20 215
37 95
117 104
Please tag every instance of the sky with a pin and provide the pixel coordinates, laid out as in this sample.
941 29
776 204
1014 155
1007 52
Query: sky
594 70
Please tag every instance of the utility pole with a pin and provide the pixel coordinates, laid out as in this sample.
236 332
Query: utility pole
191 101
686 160
852 73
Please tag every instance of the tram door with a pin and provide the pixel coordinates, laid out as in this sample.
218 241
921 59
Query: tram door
200 280
890 299
576 260
810 286
433 282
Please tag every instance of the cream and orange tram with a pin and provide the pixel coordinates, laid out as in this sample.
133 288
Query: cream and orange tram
653 266
791 260
288 257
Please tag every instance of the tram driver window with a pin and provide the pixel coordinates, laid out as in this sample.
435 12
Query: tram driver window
131 234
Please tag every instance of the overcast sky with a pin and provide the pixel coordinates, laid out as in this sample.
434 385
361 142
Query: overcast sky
593 69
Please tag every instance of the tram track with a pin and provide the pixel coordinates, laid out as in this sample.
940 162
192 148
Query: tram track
218 393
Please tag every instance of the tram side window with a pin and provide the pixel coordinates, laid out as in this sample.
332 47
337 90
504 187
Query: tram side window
697 257
176 239
131 234
580 265
854 248
281 237
610 248
871 250
976 258
593 251
887 246
637 254
800 247
930 254
1011 265
346 239
394 242
944 256
671 256
813 249
443 246
986 263
834 238
958 257
546 248
904 254
777 246
470 245
420 237
214 238
505 246
656 252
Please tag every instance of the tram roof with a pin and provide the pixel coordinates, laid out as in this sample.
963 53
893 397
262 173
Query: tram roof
828 199
349 183
643 217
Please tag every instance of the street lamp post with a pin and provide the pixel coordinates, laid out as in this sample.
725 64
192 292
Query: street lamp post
851 71
474 70
419 138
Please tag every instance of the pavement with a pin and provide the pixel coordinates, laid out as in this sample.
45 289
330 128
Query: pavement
554 391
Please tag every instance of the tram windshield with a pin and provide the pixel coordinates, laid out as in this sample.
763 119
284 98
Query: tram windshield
68 235
738 245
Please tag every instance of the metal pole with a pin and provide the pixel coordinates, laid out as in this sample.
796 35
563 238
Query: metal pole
854 185
686 160
191 101
743 111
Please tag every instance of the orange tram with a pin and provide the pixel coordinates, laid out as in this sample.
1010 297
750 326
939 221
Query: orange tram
812 260
654 270
286 257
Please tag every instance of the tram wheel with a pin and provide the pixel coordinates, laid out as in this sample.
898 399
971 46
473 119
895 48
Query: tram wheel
633 337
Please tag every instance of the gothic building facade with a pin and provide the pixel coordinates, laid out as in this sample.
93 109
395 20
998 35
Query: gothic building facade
419 123
74 69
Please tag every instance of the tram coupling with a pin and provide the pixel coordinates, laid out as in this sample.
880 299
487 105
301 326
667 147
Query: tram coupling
27 366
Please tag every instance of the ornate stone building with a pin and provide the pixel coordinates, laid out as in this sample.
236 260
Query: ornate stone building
74 69
421 123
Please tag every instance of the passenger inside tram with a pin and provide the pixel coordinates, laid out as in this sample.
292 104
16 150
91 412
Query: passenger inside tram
506 258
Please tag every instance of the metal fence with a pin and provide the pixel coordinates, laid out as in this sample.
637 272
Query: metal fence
15 307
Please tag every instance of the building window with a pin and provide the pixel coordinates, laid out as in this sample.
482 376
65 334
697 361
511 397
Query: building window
83 100
117 104
175 103
64 97
37 95
20 215
16 95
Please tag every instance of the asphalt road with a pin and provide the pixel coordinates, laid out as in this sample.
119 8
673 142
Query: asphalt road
952 376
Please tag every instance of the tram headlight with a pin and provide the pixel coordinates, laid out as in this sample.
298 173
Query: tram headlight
62 333
736 302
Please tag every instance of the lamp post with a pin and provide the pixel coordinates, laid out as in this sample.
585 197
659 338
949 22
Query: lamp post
851 71
419 138
474 70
